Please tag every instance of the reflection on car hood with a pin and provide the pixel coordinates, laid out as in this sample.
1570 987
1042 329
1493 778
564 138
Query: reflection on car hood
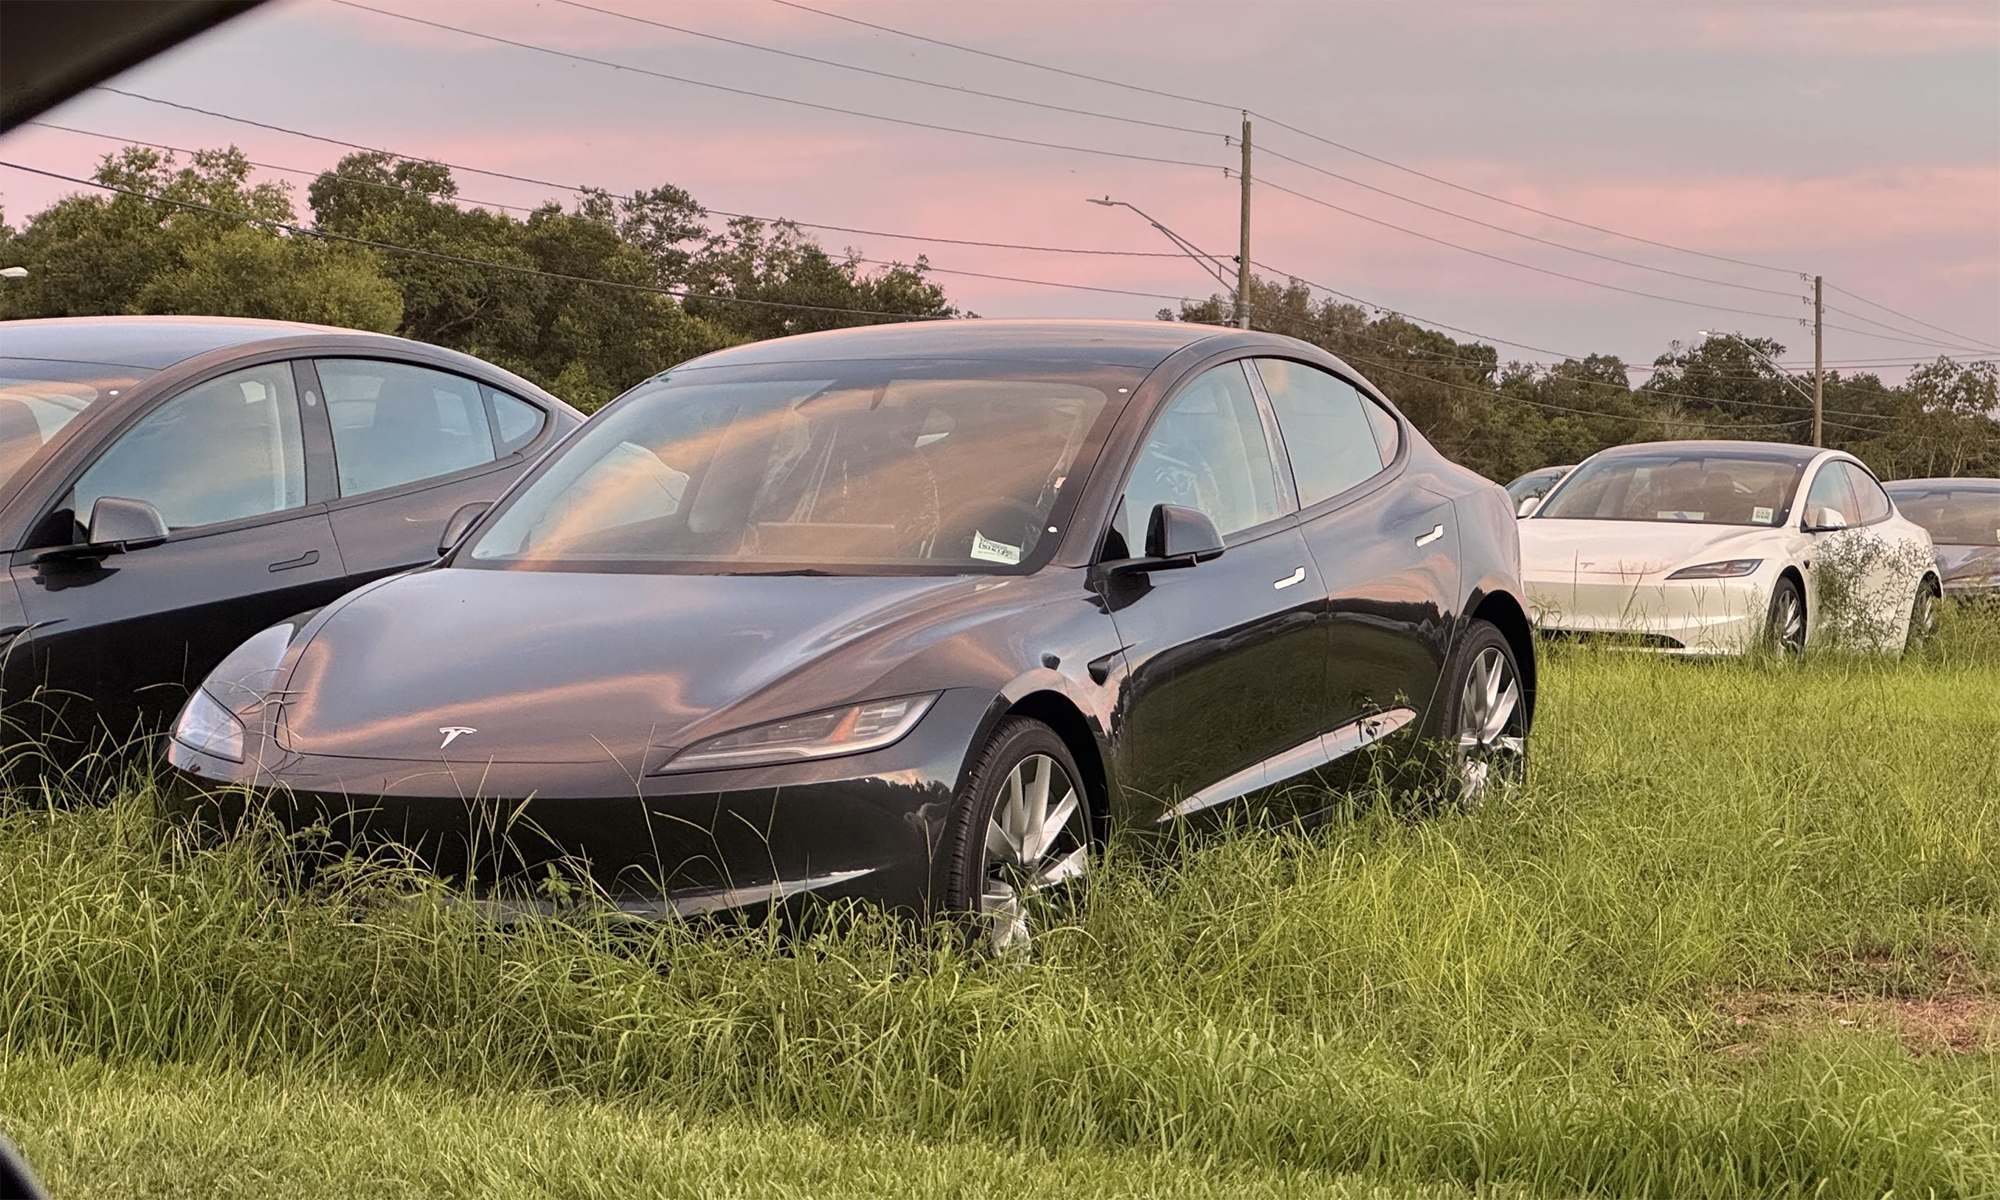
536 666
1554 548
1969 566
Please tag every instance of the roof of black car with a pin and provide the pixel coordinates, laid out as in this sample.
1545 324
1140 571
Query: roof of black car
1748 449
149 343
1117 343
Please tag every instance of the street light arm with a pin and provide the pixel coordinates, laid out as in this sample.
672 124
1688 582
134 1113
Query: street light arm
1782 373
1207 261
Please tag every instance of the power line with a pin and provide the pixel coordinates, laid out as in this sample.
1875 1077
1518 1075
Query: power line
949 87
1899 329
1291 129
1517 263
1908 341
305 231
573 188
1907 317
1581 412
1458 216
737 91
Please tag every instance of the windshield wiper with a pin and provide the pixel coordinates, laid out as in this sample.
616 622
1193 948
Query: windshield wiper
799 571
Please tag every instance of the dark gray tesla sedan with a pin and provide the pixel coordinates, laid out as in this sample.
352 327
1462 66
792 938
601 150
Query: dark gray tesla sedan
1963 517
917 614
171 485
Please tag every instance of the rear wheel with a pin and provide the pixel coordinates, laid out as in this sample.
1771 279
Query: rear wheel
1923 615
1486 716
1020 839
1786 628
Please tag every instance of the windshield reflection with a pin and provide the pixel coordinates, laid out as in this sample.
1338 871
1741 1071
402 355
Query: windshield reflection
1703 488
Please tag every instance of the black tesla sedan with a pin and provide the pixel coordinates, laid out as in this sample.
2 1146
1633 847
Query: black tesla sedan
171 485
1963 518
916 614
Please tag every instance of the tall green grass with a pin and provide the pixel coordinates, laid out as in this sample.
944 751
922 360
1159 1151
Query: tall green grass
1536 997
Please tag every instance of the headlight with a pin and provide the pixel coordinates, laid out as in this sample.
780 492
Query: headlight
210 728
210 723
836 731
1734 568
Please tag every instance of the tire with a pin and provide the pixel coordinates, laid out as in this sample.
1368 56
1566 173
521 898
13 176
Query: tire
1485 717
1923 616
1785 627
1006 864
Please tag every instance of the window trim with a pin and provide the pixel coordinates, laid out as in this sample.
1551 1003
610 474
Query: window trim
337 499
1391 470
1266 420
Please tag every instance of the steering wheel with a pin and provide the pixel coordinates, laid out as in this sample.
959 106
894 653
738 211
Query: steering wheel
987 516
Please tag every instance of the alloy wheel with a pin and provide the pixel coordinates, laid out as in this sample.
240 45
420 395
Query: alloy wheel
1788 621
1037 841
1491 745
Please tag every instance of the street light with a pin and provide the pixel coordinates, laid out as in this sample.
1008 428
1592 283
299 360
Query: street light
1207 261
1783 374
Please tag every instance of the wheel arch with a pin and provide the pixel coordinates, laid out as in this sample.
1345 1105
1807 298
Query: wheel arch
1061 714
1504 612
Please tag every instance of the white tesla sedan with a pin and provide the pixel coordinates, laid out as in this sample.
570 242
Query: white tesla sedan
1711 547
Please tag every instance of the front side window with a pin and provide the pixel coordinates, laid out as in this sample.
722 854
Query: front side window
1870 500
917 465
1699 487
1207 451
395 424
1332 443
1831 499
1954 516
38 397
222 451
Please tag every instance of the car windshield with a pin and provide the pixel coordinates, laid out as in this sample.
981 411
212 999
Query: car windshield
1701 487
40 396
835 467
1954 516
1535 483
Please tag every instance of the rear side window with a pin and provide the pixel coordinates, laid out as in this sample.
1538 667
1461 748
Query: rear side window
515 422
1332 441
221 451
395 424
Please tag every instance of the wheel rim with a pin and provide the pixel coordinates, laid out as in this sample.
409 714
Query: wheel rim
1923 623
1490 743
1037 841
1788 621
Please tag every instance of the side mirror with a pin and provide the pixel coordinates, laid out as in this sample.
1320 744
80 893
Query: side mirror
1528 506
461 521
1175 537
1825 520
120 524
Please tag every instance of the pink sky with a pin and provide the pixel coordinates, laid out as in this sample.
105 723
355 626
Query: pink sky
1858 141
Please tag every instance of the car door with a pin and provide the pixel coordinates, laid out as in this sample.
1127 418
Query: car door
412 445
1861 586
125 636
1386 546
1225 660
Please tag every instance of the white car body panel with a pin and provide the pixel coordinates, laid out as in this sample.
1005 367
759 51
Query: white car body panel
1610 577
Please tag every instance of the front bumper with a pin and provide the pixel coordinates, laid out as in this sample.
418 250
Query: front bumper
865 826
1693 617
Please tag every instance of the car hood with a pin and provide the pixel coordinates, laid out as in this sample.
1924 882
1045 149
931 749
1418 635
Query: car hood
1968 566
536 666
1555 548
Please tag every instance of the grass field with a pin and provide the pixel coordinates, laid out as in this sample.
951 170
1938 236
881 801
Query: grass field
1737 937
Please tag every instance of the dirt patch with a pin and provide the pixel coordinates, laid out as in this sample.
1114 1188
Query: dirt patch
1961 1024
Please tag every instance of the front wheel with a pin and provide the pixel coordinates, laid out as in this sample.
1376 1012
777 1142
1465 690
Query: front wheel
1786 630
1486 716
1020 837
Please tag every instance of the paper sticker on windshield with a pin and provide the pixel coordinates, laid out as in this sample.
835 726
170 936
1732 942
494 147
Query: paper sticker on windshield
1760 515
991 551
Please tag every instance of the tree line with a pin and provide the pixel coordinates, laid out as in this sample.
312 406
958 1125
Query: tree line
588 299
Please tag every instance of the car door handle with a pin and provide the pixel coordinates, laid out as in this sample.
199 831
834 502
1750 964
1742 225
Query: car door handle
304 560
1298 575
1425 539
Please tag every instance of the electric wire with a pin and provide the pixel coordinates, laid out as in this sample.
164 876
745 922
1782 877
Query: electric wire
307 231
1581 412
737 91
1907 317
1899 329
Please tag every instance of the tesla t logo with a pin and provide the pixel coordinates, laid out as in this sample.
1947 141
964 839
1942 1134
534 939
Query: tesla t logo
451 733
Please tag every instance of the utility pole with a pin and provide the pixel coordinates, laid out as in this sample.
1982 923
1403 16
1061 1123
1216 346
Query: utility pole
1243 254
1819 338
